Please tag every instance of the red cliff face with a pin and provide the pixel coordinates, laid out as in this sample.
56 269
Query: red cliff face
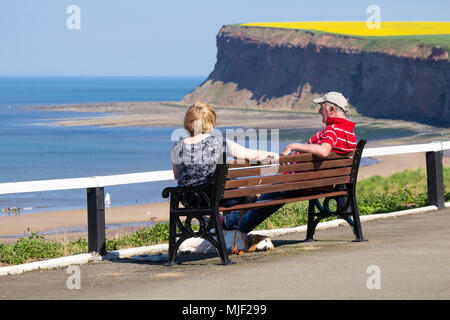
286 69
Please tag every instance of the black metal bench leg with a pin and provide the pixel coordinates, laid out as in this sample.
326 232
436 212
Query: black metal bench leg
352 210
312 223
172 240
221 240
346 215
356 221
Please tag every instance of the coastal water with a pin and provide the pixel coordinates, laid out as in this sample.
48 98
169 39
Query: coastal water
34 149
29 91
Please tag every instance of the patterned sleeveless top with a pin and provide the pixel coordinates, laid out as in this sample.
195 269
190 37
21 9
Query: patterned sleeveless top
197 162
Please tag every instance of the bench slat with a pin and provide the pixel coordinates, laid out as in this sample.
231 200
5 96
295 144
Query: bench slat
285 187
297 176
310 157
282 201
307 166
291 159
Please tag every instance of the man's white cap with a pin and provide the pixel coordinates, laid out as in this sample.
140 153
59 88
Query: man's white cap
334 97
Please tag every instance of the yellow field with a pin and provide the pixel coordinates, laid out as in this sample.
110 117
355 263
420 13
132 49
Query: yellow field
361 29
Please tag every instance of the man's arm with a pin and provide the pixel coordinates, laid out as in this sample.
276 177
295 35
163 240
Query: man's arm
320 150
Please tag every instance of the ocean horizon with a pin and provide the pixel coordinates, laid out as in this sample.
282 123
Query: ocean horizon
33 148
51 90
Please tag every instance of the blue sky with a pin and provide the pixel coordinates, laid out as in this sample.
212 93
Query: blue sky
153 37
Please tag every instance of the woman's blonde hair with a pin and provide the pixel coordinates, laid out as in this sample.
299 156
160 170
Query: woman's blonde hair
200 118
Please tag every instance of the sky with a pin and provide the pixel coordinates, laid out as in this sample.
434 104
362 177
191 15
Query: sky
155 37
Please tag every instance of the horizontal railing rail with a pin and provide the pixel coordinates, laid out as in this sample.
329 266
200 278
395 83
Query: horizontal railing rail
95 185
166 175
412 148
84 183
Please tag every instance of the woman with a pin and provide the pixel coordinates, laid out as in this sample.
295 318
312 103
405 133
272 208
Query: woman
194 158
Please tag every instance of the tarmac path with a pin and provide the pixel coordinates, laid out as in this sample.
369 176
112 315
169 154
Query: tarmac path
407 257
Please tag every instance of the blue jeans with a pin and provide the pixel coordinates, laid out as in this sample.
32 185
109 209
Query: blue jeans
252 218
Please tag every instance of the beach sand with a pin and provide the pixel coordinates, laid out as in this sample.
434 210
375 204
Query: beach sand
150 114
44 221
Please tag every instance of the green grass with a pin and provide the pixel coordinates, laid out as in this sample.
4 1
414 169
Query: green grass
377 194
393 44
33 247
143 237
402 44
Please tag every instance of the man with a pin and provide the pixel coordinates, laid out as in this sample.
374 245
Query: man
337 136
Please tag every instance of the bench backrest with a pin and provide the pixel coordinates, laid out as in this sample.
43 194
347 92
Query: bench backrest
294 172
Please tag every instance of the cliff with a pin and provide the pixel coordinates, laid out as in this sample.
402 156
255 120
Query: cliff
393 77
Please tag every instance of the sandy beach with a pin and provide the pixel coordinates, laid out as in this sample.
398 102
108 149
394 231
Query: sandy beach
40 222
122 114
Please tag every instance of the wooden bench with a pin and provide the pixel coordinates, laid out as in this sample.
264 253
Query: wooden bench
295 172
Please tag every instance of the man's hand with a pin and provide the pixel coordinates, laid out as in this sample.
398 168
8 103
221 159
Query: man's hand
287 151
320 150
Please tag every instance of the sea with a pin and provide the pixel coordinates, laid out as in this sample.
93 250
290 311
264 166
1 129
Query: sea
34 148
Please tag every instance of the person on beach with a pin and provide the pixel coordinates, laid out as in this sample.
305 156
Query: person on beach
337 136
194 158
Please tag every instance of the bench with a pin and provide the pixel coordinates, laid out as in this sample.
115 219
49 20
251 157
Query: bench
234 179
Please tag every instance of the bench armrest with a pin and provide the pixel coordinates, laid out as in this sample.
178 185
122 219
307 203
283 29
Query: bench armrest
171 191
193 197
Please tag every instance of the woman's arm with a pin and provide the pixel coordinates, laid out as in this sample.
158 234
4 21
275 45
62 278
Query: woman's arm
239 152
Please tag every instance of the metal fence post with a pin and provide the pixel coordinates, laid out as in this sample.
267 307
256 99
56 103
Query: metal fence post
96 220
435 179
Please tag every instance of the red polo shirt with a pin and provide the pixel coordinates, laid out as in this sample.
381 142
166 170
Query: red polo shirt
338 134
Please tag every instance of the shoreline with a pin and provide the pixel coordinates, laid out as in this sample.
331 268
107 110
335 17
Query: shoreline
171 114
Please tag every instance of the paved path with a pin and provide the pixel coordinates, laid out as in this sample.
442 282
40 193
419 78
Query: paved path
411 254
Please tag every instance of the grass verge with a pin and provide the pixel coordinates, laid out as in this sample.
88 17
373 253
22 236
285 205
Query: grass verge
377 194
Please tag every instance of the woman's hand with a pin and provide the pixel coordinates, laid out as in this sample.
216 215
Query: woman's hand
274 157
268 157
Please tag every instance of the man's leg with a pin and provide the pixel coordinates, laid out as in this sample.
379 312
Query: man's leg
252 218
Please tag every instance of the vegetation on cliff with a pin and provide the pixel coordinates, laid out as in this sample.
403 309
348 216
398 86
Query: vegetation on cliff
399 38
357 28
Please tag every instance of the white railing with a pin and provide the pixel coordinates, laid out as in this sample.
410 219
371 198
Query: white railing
85 183
95 185
412 148
166 175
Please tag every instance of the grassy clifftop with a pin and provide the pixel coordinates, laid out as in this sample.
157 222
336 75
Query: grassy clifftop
355 28
415 39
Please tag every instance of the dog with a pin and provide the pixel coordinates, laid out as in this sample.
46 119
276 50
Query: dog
243 242
257 242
